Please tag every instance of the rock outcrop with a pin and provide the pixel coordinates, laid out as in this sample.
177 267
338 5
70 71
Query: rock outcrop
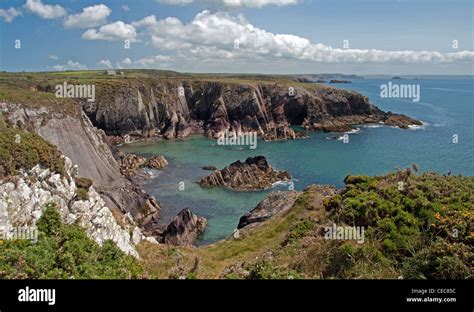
253 174
184 229
273 204
401 121
156 162
131 163
24 197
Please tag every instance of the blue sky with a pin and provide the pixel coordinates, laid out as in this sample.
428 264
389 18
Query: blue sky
265 36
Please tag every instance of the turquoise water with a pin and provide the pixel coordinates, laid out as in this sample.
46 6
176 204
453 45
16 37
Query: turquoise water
446 107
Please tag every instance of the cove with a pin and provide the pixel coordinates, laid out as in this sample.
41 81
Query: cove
320 159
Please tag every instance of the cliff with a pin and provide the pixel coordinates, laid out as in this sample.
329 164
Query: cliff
178 108
87 147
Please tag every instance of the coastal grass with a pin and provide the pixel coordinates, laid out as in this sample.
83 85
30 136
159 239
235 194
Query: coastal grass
27 95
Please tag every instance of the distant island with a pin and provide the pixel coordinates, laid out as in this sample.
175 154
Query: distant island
339 81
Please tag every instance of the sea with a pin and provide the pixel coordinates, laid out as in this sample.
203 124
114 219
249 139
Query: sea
444 144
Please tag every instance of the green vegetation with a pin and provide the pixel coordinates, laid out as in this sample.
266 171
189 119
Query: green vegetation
422 226
24 150
64 252
83 185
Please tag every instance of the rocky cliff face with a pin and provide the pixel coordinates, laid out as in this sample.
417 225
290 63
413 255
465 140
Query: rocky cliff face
178 109
24 197
253 174
87 147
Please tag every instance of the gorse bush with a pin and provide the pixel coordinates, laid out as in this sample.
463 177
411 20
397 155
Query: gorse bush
65 252
422 227
83 185
26 152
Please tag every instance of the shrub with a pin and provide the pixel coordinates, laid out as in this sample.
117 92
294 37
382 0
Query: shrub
83 185
423 230
265 270
27 153
64 251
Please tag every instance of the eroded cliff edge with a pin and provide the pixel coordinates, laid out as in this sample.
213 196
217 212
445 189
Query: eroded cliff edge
179 108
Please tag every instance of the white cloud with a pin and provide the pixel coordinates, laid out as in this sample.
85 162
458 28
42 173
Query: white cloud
9 15
154 61
70 65
124 63
165 44
91 16
234 3
125 8
53 57
105 63
46 11
116 31
213 36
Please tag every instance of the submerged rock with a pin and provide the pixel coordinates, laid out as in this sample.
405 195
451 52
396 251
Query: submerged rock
184 229
253 174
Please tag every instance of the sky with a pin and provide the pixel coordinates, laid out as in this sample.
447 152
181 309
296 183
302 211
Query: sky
240 36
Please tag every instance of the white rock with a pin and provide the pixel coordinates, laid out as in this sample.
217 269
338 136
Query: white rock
24 202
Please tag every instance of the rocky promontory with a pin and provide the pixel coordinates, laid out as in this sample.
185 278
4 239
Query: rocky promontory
274 203
253 174
401 121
